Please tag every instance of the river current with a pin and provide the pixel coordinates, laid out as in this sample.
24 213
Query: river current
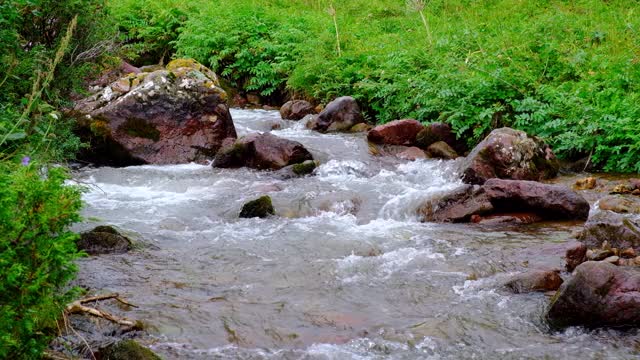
344 271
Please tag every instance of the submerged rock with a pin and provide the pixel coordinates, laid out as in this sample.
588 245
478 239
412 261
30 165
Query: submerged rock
499 196
510 154
585 184
339 115
535 280
261 207
103 240
261 151
170 116
297 170
127 350
397 132
620 204
618 230
296 109
598 294
412 153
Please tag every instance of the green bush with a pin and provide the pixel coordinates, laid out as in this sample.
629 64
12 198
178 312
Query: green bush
36 255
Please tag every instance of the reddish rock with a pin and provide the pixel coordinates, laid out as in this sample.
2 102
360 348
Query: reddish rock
339 115
397 132
412 153
598 294
296 109
459 206
507 218
261 151
163 117
535 280
510 154
576 254
549 201
502 197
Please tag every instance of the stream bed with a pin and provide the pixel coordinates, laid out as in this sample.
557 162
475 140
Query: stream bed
345 271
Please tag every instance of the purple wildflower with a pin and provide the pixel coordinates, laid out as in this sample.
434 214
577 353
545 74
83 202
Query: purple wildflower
26 160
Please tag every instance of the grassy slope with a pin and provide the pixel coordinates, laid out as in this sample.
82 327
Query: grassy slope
565 70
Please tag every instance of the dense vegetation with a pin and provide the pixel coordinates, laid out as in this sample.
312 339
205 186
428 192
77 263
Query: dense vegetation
568 71
45 49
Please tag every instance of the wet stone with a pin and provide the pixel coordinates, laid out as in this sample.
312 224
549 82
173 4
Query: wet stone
261 207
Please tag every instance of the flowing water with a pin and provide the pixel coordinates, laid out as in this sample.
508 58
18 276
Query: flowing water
345 271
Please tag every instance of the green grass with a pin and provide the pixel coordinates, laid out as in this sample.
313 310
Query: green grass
568 71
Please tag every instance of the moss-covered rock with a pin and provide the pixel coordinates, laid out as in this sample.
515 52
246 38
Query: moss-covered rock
261 207
441 150
304 168
128 350
103 240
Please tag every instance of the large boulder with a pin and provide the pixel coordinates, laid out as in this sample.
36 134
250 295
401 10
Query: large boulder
339 115
296 109
176 115
550 201
261 151
619 231
510 154
397 132
598 294
499 196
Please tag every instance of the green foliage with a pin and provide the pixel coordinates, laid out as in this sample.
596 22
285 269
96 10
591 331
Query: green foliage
36 253
568 71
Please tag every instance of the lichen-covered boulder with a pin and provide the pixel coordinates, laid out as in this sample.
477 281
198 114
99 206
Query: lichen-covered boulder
297 170
534 280
397 132
176 115
263 152
510 154
103 240
598 294
261 208
619 231
127 350
339 115
296 109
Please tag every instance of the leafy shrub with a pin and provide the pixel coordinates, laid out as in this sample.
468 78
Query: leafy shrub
36 255
565 70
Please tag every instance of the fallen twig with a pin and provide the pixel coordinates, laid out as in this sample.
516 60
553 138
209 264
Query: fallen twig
78 307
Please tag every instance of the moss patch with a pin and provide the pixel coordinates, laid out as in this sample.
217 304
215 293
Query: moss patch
140 128
128 350
261 207
304 168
